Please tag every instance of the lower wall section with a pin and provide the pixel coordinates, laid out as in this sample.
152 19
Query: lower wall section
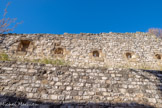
70 86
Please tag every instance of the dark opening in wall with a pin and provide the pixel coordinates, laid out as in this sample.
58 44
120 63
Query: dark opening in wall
158 56
23 46
95 54
58 51
129 55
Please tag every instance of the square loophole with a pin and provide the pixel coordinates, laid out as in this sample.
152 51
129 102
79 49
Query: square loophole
23 45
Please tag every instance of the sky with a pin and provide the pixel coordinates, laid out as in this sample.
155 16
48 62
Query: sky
84 16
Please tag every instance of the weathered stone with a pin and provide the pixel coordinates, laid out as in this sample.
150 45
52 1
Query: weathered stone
23 70
58 83
68 88
54 97
30 95
106 86
74 93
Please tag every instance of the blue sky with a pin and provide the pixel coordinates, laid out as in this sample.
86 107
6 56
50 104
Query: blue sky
86 16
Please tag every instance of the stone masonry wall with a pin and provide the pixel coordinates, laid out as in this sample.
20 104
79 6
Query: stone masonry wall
69 85
115 49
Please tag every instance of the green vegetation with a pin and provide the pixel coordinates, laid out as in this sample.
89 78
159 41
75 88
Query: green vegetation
4 57
51 61
146 66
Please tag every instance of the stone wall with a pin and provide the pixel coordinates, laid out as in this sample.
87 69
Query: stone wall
65 86
137 50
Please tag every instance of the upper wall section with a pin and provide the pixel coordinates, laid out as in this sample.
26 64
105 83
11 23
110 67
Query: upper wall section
88 50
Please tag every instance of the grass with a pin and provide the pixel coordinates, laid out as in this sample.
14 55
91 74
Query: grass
4 57
45 61
51 61
144 66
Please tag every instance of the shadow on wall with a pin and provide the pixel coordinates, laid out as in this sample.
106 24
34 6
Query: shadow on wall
12 101
157 74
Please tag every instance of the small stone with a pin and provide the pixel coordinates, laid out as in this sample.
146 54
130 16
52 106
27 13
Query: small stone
24 70
58 83
86 97
30 95
104 78
122 90
68 97
74 93
55 79
152 100
102 89
105 93
89 70
28 89
44 96
54 97
32 70
53 69
71 70
112 75
68 88
7 68
61 97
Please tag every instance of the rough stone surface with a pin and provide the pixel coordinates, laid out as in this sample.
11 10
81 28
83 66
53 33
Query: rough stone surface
77 49
79 87
97 75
